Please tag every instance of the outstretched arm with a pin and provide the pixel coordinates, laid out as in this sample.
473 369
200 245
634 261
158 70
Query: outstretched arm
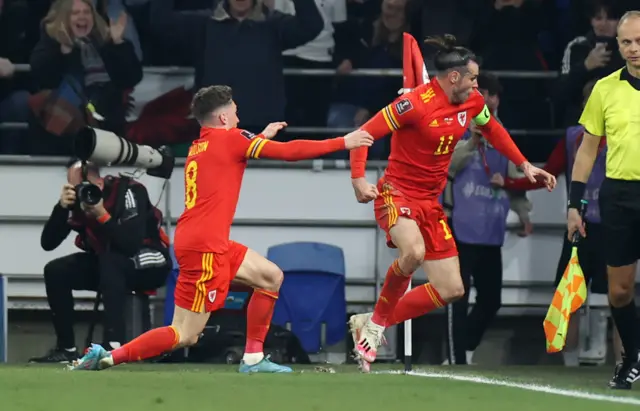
260 147
556 165
400 113
496 134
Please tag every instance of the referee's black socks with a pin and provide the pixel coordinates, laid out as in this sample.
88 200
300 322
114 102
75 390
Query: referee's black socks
626 321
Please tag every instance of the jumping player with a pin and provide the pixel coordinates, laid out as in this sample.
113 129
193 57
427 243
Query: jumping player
426 124
208 260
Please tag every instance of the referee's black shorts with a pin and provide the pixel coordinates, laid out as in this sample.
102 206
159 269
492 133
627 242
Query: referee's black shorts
620 215
591 255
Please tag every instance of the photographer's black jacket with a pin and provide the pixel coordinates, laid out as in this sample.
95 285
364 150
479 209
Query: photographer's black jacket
135 228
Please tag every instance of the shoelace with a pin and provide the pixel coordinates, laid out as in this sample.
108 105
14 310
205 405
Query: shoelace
375 333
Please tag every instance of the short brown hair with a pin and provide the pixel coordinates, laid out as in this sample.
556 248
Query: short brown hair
209 99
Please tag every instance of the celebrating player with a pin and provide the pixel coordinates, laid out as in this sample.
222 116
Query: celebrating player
208 260
427 123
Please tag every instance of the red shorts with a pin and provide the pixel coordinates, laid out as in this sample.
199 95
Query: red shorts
205 278
428 214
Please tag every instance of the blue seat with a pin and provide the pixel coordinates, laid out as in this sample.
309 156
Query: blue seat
313 292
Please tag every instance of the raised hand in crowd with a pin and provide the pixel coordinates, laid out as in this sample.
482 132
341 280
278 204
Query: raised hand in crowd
117 28
598 57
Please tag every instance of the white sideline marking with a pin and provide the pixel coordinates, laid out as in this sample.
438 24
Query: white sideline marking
525 386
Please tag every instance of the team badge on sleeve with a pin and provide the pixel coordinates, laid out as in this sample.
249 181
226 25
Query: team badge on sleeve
404 106
247 134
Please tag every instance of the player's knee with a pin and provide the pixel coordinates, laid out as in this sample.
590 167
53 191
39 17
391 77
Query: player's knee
620 294
411 257
273 279
187 339
452 292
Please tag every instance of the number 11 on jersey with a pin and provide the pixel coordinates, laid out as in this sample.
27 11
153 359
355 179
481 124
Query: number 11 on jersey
191 187
443 147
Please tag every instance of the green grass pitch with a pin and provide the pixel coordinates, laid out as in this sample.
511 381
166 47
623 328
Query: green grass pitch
183 387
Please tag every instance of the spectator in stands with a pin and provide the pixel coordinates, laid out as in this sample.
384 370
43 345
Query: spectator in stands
112 9
327 51
506 37
241 45
478 207
379 47
124 251
13 94
85 60
588 57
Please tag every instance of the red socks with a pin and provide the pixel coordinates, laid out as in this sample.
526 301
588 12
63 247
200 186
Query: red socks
395 285
150 344
419 301
161 340
259 313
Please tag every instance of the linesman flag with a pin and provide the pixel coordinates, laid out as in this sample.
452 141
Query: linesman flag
414 71
568 298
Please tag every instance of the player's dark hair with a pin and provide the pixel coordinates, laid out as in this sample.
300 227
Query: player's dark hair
449 56
209 99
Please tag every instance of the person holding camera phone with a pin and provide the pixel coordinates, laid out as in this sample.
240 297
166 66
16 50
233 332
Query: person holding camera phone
588 57
123 247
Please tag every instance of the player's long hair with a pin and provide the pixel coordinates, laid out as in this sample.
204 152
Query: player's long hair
449 55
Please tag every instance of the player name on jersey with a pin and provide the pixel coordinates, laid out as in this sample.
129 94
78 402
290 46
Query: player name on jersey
198 148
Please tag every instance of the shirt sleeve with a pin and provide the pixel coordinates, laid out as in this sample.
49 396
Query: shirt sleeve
244 144
556 165
127 231
404 111
592 117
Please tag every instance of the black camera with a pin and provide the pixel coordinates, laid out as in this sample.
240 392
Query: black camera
88 193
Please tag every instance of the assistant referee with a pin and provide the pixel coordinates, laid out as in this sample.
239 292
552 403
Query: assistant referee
613 110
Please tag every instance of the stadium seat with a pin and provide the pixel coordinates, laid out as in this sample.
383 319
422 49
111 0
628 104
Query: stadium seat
313 292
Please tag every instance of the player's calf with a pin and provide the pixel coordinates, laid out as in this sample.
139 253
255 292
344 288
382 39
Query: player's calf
266 278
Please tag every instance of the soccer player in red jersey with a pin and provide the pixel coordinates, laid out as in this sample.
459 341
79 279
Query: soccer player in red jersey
208 259
427 122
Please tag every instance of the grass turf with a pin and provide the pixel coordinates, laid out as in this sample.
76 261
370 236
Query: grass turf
185 386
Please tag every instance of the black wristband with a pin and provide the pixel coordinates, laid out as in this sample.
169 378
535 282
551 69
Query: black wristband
576 194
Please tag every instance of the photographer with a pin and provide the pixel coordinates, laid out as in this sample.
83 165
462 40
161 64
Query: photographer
124 251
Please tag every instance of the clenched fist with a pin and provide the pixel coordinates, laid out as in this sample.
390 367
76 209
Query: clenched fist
364 190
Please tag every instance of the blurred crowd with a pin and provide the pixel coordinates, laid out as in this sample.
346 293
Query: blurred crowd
87 56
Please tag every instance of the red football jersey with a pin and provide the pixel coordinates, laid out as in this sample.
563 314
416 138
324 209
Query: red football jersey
426 128
213 177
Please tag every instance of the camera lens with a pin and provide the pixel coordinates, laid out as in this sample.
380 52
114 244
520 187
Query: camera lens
88 193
